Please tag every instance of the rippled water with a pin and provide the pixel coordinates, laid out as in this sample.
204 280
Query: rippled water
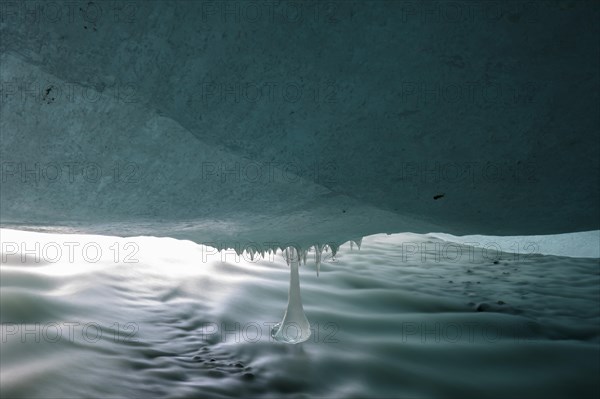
406 316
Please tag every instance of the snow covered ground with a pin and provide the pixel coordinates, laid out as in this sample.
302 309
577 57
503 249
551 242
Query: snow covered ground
406 316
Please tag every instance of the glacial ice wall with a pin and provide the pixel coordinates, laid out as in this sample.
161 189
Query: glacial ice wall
255 124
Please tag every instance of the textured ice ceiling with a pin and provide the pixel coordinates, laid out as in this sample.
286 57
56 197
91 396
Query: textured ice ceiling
300 122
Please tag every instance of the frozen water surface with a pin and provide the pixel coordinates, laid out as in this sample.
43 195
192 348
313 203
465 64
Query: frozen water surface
385 321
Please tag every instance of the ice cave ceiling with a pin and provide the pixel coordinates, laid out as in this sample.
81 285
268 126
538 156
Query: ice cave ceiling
312 123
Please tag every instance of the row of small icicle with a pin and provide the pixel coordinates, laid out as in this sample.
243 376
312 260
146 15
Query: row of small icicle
318 248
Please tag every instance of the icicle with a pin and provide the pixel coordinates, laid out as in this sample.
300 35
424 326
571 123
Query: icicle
288 255
357 241
304 252
294 315
251 250
318 252
334 249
